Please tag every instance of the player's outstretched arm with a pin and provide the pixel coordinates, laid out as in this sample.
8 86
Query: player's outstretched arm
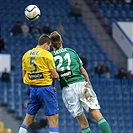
83 71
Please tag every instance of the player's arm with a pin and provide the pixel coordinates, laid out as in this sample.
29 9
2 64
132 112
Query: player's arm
83 71
23 67
54 76
51 66
23 73
54 73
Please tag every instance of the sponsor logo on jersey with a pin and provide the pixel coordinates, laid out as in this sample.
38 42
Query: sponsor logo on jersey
66 73
35 76
34 53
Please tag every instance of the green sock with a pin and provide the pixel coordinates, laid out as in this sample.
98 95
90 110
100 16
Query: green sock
104 126
86 130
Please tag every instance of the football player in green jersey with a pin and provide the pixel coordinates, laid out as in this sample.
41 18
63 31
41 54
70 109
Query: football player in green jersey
77 91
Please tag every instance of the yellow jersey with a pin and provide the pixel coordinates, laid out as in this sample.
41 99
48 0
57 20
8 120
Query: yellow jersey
37 63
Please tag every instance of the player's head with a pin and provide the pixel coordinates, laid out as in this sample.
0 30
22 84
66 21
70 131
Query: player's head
56 40
44 41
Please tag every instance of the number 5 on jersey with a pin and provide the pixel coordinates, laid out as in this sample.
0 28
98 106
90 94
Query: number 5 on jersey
34 65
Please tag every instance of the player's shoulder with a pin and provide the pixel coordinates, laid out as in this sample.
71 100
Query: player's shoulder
70 49
25 54
62 51
47 54
59 51
52 52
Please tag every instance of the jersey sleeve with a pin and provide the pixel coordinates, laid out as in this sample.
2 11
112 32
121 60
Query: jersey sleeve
23 62
50 61
80 62
78 58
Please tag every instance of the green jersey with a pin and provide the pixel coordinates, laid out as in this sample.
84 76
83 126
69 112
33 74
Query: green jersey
68 66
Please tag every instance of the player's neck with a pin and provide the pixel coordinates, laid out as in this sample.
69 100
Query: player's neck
40 46
58 48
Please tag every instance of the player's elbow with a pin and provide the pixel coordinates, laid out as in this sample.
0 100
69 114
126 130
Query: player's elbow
55 76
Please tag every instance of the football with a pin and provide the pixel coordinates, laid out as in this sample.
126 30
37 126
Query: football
32 12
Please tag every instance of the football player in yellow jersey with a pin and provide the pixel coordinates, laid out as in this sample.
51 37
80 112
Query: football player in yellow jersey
39 71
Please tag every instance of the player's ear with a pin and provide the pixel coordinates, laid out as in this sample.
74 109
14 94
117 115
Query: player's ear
45 44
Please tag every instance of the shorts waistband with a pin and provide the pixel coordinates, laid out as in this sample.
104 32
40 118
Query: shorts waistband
39 86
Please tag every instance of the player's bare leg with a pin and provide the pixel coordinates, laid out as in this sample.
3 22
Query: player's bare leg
96 114
53 123
53 120
103 124
83 123
27 122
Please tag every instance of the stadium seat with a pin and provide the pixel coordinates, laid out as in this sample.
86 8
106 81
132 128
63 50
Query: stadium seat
105 22
1 130
3 91
108 14
111 6
103 7
119 7
123 14
127 7
2 125
130 14
7 130
95 7
90 2
116 14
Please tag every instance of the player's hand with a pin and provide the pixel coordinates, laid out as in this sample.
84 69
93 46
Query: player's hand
54 90
88 84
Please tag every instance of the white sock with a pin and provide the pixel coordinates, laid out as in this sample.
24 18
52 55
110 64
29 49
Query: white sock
22 130
53 130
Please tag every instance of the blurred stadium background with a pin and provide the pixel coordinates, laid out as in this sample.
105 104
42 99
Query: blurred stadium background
91 36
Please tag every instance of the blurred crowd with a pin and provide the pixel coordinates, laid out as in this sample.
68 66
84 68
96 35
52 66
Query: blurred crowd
104 69
31 29
2 44
5 76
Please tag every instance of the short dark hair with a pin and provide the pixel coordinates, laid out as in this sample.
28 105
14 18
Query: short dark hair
44 39
56 39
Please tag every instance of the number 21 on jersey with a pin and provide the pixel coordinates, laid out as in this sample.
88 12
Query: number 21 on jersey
61 59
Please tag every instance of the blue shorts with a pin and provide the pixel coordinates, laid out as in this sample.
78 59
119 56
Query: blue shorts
39 96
